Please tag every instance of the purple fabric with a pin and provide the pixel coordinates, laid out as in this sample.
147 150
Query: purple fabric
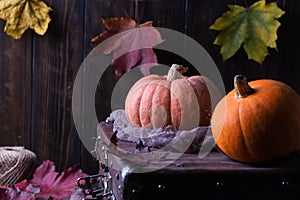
158 138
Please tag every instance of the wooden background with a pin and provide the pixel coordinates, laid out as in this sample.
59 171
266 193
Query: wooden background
37 72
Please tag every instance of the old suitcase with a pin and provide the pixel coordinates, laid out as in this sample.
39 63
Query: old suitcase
189 177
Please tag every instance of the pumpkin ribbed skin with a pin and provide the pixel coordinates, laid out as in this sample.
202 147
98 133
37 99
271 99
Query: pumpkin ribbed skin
156 102
260 127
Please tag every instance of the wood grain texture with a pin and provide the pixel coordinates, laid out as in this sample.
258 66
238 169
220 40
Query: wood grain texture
94 11
15 89
168 13
37 72
288 43
56 58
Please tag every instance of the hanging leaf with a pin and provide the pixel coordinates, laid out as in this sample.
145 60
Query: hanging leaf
23 14
126 49
254 27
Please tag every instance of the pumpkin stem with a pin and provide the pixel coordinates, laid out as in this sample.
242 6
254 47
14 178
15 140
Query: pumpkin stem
241 86
176 72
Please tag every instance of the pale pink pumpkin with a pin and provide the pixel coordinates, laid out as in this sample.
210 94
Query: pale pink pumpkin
157 101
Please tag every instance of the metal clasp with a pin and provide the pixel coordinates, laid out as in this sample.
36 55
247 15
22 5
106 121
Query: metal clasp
98 187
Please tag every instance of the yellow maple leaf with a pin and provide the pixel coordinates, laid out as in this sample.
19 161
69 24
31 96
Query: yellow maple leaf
254 28
23 14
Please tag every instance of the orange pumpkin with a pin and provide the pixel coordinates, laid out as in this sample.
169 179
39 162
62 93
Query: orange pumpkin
157 101
257 121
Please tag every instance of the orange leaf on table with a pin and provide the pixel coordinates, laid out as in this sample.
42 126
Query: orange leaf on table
131 46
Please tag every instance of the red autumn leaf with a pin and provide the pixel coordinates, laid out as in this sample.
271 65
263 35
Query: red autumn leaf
45 184
131 46
56 185
45 174
2 192
8 193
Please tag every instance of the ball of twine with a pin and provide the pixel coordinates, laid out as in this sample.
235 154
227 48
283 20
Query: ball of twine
16 164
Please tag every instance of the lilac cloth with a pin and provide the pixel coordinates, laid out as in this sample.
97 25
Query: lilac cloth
158 138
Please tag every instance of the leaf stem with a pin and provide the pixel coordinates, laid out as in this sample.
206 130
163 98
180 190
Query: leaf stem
246 5
137 12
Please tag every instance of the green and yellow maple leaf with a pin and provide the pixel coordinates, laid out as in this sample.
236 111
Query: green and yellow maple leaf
23 14
255 28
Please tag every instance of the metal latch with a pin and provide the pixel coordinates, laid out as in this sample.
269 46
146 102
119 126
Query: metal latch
98 186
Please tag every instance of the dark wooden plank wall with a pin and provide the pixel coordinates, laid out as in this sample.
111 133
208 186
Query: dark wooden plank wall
37 72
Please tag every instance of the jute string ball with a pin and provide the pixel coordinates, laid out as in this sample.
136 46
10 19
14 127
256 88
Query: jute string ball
16 164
